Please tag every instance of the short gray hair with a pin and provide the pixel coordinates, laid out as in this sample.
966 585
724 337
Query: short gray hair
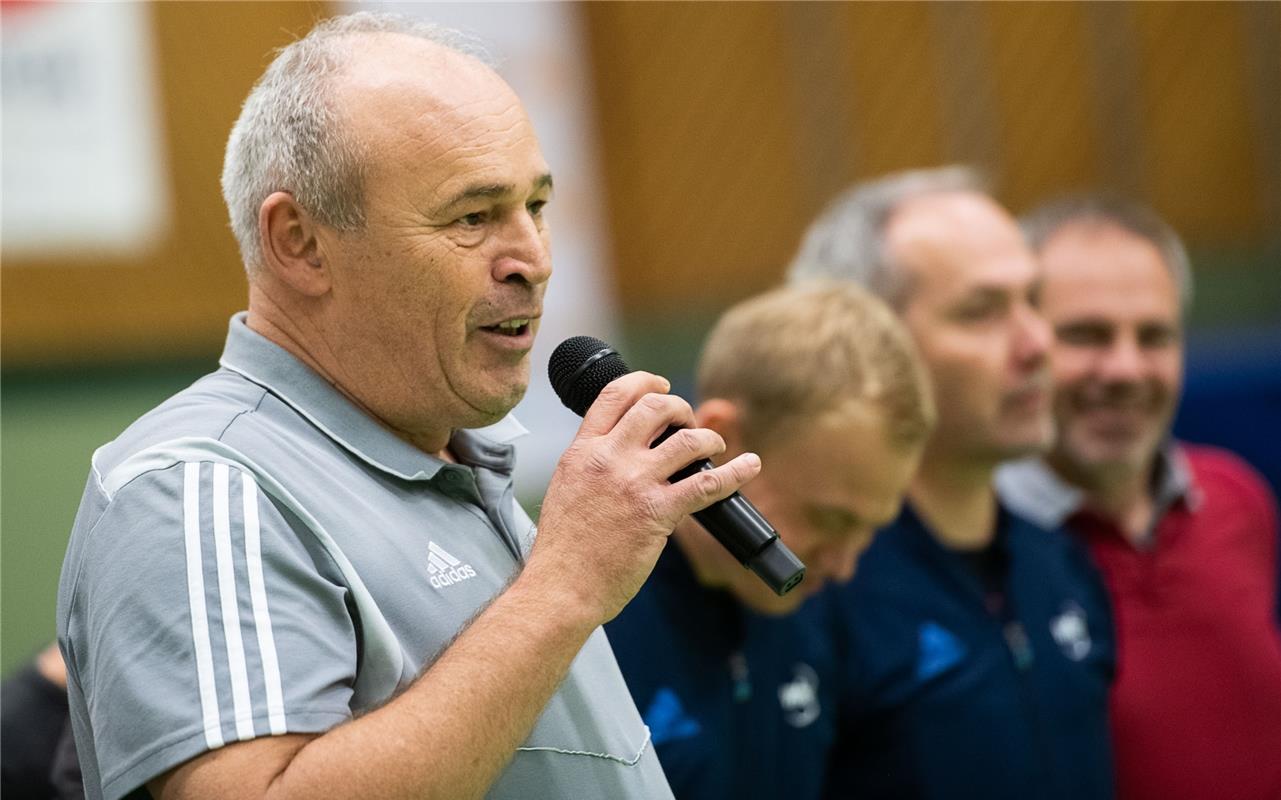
291 137
1041 223
847 241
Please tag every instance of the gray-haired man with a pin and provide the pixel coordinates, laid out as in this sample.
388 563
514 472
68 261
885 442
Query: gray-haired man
302 577
1184 535
980 646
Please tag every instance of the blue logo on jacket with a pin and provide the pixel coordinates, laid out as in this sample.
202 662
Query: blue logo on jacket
938 650
667 719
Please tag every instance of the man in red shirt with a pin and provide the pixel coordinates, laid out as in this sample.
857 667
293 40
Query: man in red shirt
1184 536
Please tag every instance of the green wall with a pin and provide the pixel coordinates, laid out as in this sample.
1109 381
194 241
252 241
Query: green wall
50 424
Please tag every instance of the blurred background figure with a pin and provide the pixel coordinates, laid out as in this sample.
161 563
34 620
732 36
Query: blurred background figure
736 684
1185 536
980 647
39 756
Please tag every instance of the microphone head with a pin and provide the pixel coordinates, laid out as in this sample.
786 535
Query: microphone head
580 367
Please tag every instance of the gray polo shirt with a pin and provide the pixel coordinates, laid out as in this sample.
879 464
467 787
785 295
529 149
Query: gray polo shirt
256 556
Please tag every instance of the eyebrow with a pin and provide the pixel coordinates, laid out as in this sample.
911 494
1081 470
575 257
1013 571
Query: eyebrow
983 294
1083 322
988 291
494 191
1078 323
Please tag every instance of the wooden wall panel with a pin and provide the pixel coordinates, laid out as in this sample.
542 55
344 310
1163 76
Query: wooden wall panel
696 127
1197 126
1046 121
175 300
725 127
893 64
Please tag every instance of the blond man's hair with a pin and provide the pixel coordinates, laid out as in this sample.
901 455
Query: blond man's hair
798 354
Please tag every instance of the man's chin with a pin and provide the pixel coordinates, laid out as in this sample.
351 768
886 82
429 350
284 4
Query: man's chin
1109 458
1033 444
492 409
1102 461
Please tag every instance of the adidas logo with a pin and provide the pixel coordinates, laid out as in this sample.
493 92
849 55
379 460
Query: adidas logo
444 569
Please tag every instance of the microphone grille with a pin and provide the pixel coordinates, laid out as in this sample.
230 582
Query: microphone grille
576 377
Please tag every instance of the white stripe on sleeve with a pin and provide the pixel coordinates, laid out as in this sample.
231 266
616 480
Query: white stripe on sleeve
196 599
262 618
230 608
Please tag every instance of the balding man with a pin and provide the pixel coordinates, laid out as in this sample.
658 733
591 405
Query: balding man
1184 535
303 576
980 647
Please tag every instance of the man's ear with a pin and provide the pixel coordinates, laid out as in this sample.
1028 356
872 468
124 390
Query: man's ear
290 247
724 417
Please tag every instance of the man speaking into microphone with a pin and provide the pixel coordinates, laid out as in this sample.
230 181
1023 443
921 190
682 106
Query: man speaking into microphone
304 576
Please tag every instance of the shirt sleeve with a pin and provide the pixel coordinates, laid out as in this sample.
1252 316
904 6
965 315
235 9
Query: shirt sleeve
203 614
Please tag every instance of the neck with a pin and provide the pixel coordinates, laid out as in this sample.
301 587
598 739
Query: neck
295 334
290 332
954 497
1122 494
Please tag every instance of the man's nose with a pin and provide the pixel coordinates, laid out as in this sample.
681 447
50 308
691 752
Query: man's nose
1122 361
1032 337
524 254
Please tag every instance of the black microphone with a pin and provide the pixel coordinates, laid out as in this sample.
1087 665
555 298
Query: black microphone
580 368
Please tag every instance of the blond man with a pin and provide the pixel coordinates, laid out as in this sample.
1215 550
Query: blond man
736 684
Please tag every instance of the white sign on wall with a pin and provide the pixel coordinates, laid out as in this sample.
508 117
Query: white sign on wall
82 151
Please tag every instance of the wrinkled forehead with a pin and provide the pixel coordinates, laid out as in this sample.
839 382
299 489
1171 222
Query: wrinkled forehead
1104 269
955 241
394 85
1100 244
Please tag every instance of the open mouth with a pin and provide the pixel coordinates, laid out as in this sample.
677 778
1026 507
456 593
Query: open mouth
511 327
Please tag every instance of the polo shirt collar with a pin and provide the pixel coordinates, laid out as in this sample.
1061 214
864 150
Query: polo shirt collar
1174 480
1035 491
265 363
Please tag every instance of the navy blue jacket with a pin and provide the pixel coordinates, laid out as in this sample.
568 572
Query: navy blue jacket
739 705
951 693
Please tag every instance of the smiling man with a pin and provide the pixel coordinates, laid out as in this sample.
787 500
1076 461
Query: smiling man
1185 536
304 576
738 684
979 647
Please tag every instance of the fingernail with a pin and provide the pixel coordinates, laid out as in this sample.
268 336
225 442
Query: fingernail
667 385
752 459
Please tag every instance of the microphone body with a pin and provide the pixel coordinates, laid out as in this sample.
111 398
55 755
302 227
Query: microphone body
580 367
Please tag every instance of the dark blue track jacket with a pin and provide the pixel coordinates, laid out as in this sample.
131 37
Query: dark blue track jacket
739 705
953 691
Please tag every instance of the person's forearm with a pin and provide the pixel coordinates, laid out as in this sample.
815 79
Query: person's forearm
448 735
452 732
50 664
